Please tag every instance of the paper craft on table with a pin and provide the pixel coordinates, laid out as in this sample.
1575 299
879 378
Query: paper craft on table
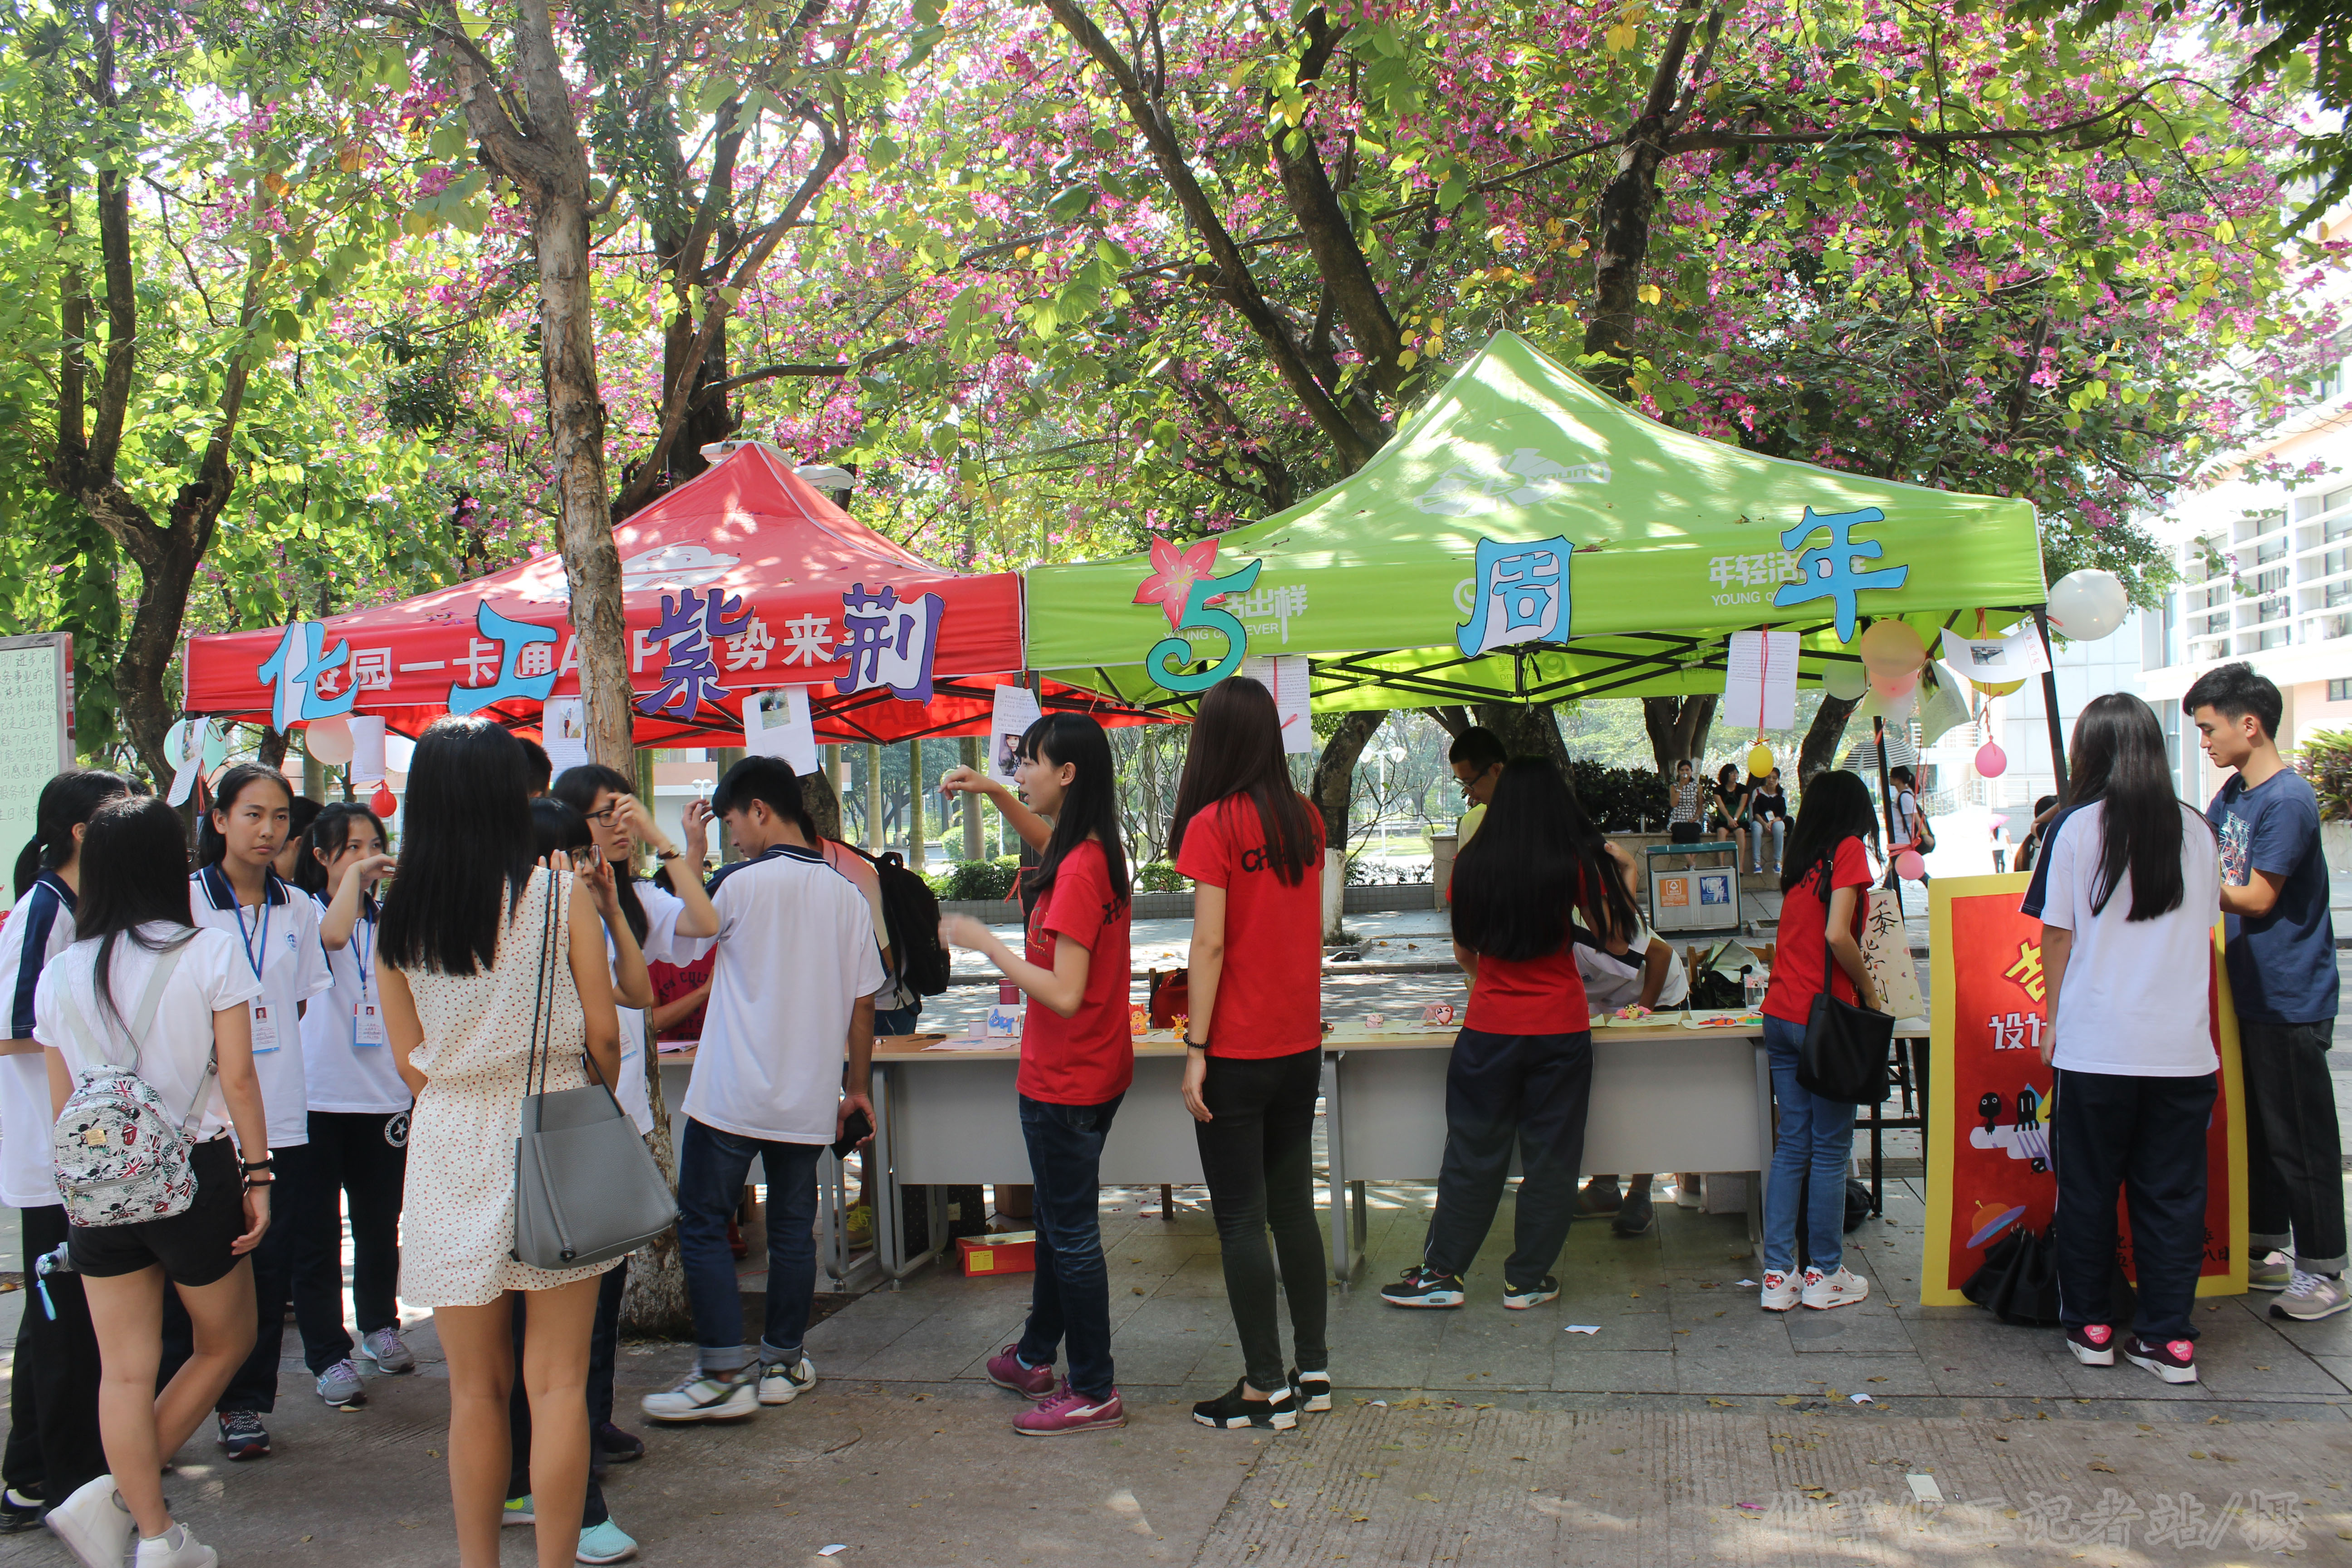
1759 686
1286 675
1581 1328
1016 710
777 724
1993 660
562 730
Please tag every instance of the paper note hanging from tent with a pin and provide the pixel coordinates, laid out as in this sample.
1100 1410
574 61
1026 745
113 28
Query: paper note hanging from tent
1286 675
1759 688
186 745
563 731
776 724
1016 710
1992 660
367 748
1943 706
1886 954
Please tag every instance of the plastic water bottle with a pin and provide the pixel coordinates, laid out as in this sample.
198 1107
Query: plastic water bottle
1754 981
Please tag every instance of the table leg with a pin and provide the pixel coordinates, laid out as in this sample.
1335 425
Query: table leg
1764 1127
1335 1143
889 1198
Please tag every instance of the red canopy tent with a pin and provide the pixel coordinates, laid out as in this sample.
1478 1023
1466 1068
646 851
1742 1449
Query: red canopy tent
743 579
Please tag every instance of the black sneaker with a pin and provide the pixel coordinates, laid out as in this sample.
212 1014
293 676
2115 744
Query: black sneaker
242 1434
1230 1411
21 1510
618 1446
1519 1298
1424 1287
1597 1198
2175 1360
1634 1216
1313 1390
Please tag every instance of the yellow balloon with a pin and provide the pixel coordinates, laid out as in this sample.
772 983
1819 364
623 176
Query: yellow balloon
1996 687
1759 761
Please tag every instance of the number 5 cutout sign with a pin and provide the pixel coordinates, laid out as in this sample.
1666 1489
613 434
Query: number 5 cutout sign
1181 586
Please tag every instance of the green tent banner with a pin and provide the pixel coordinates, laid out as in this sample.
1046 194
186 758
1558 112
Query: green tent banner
1527 536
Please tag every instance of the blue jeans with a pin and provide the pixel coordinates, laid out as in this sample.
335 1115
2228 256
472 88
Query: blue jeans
1816 1135
1071 1296
712 1166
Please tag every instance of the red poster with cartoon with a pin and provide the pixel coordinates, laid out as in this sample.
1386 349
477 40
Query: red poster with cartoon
1988 1107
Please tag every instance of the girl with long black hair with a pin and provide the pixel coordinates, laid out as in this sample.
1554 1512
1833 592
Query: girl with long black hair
2127 891
1521 1071
237 891
53 1443
1077 1054
194 1047
1254 1061
1824 894
358 1106
466 991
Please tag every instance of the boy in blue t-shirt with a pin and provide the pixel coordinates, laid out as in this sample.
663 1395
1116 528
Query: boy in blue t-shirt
2280 955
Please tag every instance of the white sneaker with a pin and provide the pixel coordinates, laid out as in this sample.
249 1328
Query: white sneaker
94 1525
1782 1291
703 1398
781 1385
175 1548
1843 1289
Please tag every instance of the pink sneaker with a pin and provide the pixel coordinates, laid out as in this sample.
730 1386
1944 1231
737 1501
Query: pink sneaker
1005 1371
1068 1411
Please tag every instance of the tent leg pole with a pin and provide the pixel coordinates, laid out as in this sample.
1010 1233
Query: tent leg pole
1886 800
2050 705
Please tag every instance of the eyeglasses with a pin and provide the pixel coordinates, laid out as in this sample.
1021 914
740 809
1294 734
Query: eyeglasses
605 816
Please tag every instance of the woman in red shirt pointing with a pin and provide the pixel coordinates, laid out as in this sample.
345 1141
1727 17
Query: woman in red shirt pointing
1522 1067
1255 851
1078 1055
1824 894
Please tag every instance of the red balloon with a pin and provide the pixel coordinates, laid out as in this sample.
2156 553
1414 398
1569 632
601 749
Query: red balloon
384 802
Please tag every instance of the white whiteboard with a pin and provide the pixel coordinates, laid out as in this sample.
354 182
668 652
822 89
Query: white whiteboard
35 735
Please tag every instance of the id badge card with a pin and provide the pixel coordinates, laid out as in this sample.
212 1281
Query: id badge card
265 1027
367 1024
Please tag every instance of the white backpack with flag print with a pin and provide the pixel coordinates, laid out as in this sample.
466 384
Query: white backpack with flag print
120 1158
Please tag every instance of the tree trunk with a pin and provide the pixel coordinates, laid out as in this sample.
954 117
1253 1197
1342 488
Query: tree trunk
1818 752
1526 730
271 752
1335 780
824 805
968 752
1677 727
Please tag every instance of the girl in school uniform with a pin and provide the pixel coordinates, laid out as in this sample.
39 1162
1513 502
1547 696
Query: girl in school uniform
359 1107
1078 1056
236 889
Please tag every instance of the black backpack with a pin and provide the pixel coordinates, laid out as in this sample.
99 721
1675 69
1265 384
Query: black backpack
911 912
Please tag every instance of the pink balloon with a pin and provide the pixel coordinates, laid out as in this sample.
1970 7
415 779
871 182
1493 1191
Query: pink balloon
1909 867
1894 688
1991 761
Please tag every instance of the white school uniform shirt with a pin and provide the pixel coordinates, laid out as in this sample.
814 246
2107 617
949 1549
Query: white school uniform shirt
662 910
796 951
279 939
2135 1002
176 1056
40 928
1612 982
347 1062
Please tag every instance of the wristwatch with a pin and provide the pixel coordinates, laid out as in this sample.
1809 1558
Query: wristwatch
668 855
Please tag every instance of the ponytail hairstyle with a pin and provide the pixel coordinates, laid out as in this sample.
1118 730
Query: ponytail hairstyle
330 830
211 847
134 876
66 802
1237 750
1836 807
1536 857
578 788
2118 761
1090 807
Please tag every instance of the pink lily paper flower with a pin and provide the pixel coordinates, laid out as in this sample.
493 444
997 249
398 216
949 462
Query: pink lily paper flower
1173 572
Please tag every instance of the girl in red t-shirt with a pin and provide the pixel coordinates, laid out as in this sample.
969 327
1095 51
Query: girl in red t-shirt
1522 1066
1254 849
1077 1054
1823 892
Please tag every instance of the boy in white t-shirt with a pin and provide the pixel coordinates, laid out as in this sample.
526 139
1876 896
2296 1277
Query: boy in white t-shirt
791 993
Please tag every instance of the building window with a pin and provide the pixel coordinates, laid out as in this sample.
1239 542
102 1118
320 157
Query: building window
2339 691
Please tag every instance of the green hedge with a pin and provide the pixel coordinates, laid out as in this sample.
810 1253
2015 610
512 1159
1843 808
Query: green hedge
1161 877
977 882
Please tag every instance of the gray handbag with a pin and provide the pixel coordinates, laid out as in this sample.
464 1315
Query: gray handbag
586 1188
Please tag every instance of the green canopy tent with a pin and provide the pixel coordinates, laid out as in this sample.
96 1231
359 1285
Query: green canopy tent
1525 537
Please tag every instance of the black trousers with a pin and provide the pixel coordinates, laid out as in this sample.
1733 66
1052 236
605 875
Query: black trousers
2147 1137
1257 1154
602 1345
2294 1162
294 1215
356 1164
53 1442
1531 1090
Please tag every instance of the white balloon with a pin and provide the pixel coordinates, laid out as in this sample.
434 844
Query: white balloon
329 741
2088 604
1845 681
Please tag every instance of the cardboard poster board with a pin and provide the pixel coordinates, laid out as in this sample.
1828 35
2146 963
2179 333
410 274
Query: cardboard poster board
1988 1155
36 732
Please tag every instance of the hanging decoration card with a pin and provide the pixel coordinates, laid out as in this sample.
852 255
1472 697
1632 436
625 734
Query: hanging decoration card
1759 691
1286 675
776 724
1016 710
563 731
2015 656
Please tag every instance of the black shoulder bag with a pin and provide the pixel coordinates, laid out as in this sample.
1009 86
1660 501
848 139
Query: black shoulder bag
1846 1047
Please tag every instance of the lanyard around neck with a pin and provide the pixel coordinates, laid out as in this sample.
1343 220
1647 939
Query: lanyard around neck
257 952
